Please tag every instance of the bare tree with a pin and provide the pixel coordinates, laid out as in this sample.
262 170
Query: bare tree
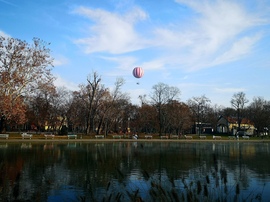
213 114
199 107
91 95
40 111
143 99
77 112
100 103
238 102
112 108
180 117
59 112
259 114
162 94
145 119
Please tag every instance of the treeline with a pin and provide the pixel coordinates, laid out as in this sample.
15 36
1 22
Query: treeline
30 101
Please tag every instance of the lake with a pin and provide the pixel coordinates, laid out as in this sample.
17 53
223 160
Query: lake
135 171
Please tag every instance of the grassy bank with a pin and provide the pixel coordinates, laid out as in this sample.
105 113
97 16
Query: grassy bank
15 136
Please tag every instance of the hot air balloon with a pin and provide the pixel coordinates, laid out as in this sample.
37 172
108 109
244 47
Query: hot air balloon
138 72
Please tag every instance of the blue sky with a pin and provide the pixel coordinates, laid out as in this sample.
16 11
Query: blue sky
204 47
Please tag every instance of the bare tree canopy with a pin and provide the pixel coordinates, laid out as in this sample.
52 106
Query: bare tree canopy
200 107
91 95
238 102
259 113
162 95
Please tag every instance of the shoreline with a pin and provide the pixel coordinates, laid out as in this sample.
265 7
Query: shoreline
56 140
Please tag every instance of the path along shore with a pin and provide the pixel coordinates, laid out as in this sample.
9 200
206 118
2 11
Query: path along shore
62 139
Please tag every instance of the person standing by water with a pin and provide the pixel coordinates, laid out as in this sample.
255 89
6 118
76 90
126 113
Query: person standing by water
135 136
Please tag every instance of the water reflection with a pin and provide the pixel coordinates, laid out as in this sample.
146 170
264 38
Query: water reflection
26 145
129 171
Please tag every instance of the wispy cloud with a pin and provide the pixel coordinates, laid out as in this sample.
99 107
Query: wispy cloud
211 47
237 50
60 60
60 82
7 2
111 32
229 90
218 33
4 34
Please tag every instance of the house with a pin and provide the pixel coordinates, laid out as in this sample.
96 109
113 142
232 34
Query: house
229 125
200 128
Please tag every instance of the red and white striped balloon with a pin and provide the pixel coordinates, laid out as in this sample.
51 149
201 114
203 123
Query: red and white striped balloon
138 72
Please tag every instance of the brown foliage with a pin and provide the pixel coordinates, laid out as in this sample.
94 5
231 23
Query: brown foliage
13 109
23 68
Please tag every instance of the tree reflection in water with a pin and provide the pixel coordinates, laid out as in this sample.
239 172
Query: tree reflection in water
135 171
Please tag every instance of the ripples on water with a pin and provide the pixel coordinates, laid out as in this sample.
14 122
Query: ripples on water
127 171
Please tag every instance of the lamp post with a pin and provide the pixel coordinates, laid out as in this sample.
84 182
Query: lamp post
128 122
199 121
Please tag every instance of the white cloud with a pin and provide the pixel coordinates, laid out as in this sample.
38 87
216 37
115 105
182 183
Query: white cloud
175 38
135 93
124 62
218 33
3 34
158 63
229 90
238 49
113 33
217 21
60 82
60 60
221 32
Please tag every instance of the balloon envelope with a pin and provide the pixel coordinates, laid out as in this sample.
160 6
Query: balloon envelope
138 72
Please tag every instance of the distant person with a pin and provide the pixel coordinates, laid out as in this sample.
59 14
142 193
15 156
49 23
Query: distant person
135 136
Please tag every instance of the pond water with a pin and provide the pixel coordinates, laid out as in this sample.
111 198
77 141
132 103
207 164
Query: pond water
135 171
